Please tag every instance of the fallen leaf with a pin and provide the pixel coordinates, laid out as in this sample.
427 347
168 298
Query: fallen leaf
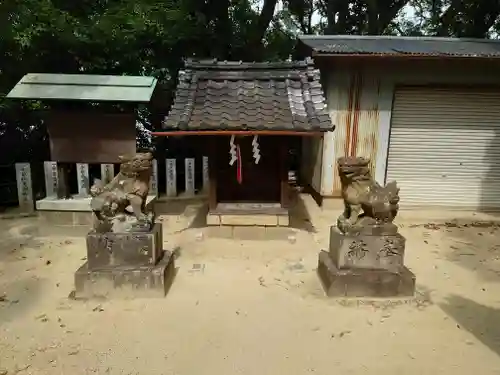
343 333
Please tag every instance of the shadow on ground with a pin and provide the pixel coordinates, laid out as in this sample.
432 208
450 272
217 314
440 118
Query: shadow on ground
479 320
300 218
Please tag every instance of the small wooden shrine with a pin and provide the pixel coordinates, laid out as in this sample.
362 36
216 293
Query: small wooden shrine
248 112
82 133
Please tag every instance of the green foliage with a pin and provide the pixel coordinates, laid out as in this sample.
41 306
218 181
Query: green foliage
153 37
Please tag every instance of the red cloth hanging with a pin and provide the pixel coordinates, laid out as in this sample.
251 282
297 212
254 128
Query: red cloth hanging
239 171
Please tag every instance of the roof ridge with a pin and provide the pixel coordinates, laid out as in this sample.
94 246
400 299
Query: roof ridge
396 37
352 45
214 64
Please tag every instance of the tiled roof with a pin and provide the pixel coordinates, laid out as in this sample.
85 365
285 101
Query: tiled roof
214 95
401 46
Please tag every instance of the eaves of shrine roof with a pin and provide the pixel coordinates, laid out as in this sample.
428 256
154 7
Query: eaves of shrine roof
279 96
84 87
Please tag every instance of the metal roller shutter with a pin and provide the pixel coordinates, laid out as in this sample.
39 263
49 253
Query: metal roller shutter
444 147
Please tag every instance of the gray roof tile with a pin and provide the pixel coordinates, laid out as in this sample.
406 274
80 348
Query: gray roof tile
401 46
215 95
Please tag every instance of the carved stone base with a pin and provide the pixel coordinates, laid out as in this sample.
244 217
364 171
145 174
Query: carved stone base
125 281
124 249
364 282
370 251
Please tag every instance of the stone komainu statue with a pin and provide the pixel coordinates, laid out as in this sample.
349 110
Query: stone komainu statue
367 204
120 205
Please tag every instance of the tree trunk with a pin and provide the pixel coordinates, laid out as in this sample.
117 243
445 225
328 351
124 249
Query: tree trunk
256 47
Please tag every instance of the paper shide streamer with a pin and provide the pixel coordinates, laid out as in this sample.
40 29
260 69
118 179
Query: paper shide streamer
235 155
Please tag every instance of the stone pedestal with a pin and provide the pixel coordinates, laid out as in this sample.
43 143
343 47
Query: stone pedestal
367 264
125 281
125 265
124 249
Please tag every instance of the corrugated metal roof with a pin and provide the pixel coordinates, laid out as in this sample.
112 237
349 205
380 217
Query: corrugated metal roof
401 46
214 95
84 87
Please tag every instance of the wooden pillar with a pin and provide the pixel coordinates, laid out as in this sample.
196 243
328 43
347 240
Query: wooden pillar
212 175
283 160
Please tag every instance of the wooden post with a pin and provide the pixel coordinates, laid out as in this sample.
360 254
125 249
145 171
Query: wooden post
82 175
153 182
283 155
171 166
51 178
212 175
189 176
24 187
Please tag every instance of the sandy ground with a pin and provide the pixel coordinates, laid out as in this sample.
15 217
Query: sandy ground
252 307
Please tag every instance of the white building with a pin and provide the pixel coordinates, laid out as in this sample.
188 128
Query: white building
426 111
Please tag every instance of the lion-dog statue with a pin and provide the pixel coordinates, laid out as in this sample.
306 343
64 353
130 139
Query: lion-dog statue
120 205
367 204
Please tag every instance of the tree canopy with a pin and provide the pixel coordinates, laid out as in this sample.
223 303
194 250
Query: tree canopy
152 37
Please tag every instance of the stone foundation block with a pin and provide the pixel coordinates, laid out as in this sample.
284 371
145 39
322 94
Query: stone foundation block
243 220
124 249
125 281
283 220
213 219
384 252
364 282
